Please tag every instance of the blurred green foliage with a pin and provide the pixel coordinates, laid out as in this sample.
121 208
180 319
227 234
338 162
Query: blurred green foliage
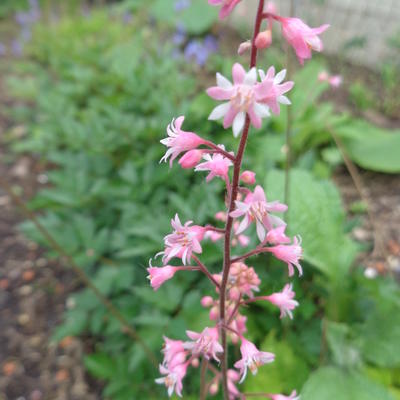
101 99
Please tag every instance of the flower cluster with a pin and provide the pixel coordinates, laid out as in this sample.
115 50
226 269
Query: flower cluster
252 95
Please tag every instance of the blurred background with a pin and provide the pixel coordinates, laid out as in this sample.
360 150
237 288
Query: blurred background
86 90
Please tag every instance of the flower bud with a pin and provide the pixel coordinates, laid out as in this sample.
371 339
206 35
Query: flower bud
263 39
195 363
271 7
207 301
248 177
234 294
191 158
214 313
244 47
220 216
214 388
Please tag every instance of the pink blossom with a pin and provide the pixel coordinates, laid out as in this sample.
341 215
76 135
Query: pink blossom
174 352
277 235
301 37
244 278
244 47
191 158
179 140
205 343
276 94
183 241
217 164
256 208
173 378
290 254
292 396
158 275
252 358
334 80
227 6
248 177
284 300
244 96
233 377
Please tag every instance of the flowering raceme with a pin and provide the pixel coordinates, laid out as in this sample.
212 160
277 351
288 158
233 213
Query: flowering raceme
253 95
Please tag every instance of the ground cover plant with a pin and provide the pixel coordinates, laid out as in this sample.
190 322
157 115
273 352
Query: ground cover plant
100 99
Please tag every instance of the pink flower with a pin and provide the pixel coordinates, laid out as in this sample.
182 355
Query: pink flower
173 378
227 6
256 208
205 343
276 93
174 352
248 177
191 158
217 164
179 140
252 358
334 80
244 96
293 396
301 37
244 278
284 300
290 254
183 241
158 275
233 377
277 235
264 39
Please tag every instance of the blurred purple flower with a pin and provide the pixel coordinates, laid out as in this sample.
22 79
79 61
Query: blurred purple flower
199 51
17 48
26 34
179 36
181 5
127 17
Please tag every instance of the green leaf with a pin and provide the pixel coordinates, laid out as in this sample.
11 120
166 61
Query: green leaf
380 337
330 383
287 372
316 214
100 365
371 147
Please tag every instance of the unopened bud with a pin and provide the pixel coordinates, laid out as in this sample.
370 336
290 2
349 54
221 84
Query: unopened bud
214 313
214 388
207 301
220 216
234 294
244 47
195 362
191 158
263 39
271 7
248 177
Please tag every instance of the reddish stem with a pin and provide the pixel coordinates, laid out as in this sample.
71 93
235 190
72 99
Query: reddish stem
219 150
204 269
251 253
229 222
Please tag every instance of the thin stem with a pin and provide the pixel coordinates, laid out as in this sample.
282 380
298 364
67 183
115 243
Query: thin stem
214 229
219 150
235 310
203 384
251 253
229 222
245 395
289 122
204 269
129 330
379 247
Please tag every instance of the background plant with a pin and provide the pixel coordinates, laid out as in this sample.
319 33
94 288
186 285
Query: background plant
99 137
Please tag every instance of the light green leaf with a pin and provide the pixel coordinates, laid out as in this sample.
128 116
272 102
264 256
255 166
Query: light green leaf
316 214
332 383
